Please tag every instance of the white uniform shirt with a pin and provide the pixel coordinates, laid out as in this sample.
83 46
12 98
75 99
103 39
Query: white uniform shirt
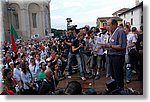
34 70
17 74
26 78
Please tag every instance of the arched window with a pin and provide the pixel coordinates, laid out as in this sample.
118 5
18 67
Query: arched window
16 20
34 20
34 14
131 21
14 15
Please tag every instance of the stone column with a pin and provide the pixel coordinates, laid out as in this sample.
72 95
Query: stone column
25 25
2 36
49 17
42 23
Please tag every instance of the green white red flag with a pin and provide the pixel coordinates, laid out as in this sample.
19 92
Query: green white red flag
13 37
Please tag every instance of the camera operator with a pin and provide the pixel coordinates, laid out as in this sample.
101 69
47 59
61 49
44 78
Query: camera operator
76 45
68 40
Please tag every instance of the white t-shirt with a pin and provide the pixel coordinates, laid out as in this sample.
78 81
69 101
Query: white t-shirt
37 63
17 74
92 44
26 78
96 48
34 70
131 38
105 38
98 45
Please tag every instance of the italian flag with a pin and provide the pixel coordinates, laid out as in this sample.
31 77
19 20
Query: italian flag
13 37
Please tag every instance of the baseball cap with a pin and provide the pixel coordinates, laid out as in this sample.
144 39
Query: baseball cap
104 28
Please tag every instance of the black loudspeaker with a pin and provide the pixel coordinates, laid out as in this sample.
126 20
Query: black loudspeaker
90 91
111 85
113 89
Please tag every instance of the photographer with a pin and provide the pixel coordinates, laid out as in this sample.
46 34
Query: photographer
76 45
68 40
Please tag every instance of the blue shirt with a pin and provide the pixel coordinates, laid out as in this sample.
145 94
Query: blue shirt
118 38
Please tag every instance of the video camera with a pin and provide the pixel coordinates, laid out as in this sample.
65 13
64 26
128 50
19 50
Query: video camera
72 27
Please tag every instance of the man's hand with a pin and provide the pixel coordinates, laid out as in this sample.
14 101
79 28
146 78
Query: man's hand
105 45
81 45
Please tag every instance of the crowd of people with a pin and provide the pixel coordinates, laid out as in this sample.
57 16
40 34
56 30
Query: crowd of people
39 64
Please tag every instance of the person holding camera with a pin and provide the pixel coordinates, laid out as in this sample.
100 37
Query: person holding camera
68 40
75 47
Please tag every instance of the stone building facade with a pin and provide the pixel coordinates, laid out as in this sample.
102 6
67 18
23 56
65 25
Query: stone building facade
133 16
30 18
102 21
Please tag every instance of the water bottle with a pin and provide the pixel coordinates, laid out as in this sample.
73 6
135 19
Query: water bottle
17 89
128 72
128 66
36 86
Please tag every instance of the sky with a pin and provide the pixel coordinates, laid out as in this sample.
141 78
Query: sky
84 12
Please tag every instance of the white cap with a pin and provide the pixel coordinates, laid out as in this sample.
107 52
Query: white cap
11 63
